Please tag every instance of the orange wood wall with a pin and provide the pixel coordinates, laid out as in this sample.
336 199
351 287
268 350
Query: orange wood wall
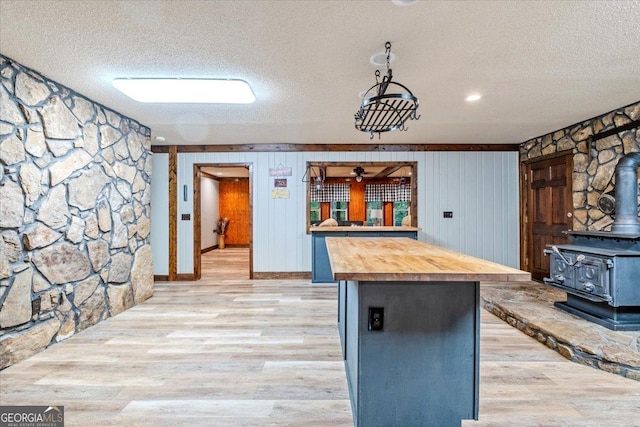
388 213
234 204
325 210
357 206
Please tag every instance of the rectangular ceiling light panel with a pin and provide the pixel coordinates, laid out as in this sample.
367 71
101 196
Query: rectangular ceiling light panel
199 91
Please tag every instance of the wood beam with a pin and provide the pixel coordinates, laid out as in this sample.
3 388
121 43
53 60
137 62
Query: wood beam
261 148
173 212
387 171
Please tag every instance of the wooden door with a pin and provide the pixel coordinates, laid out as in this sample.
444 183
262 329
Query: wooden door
549 209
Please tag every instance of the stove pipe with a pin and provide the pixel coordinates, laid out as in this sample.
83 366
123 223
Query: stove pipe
626 221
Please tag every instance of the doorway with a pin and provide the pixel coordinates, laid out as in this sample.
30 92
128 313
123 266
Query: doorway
547 208
236 178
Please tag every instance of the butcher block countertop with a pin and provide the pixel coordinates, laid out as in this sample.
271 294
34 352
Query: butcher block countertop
404 259
376 228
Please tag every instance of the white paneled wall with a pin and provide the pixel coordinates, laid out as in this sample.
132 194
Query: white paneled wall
160 214
480 188
210 211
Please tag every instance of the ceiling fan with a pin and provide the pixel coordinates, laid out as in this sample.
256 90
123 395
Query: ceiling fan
359 171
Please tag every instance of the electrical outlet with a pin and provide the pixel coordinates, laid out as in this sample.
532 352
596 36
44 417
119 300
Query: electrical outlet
376 318
186 217
447 214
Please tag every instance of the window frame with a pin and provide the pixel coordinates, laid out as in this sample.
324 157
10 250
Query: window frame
368 211
395 210
410 166
345 210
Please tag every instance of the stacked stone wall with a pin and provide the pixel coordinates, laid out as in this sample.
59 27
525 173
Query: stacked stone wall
74 212
594 162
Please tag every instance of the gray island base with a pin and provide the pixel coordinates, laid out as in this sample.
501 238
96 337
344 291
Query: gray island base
409 324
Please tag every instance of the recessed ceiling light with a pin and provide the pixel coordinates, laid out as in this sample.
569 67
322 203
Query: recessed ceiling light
160 138
198 91
219 173
473 98
404 2
380 59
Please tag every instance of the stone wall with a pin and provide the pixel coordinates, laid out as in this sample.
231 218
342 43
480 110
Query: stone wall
74 213
594 162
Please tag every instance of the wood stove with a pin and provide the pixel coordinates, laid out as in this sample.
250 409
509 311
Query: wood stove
599 270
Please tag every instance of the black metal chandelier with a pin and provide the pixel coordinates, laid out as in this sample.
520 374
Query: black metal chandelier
387 105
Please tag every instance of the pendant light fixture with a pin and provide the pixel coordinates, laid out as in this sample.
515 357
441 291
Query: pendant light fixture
315 175
387 105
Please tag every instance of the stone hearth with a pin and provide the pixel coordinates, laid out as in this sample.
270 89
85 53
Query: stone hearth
529 308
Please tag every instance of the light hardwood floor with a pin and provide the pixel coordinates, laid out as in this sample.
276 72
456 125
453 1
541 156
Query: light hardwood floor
226 264
234 352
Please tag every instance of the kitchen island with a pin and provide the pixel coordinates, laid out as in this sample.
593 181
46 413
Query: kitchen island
409 324
320 268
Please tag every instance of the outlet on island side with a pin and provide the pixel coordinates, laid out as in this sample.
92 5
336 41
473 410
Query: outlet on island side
447 214
376 318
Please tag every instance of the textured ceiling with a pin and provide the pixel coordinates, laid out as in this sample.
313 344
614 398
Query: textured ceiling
540 65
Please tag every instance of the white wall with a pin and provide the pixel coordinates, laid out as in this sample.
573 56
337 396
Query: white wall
160 214
209 211
481 188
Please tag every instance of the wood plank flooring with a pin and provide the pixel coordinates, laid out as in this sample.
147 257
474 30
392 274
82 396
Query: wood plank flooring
224 264
235 352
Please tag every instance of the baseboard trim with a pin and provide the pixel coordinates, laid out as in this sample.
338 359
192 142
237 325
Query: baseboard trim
185 277
264 275
209 249
284 275
179 278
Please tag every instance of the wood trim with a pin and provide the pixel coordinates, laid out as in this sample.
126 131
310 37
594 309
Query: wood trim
250 167
208 175
209 249
282 275
178 278
413 165
173 212
549 156
197 223
185 277
526 231
413 206
524 209
160 148
615 131
386 172
264 148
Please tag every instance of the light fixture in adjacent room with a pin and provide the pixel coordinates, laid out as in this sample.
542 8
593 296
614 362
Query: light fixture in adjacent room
473 97
387 105
315 175
358 171
196 91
